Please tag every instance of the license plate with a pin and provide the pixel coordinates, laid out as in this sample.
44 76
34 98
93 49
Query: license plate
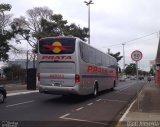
57 83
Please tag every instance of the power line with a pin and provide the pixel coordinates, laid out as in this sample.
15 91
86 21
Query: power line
136 42
141 37
133 39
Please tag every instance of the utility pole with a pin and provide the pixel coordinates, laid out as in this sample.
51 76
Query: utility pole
27 60
123 44
2 27
88 4
109 50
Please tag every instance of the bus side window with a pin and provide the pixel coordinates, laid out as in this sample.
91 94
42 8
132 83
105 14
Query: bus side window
110 62
81 50
91 55
104 60
107 60
84 52
98 58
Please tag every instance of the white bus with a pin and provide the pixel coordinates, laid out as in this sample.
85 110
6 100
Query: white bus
67 65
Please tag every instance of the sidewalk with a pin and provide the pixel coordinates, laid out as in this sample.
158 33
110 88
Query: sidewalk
15 88
148 112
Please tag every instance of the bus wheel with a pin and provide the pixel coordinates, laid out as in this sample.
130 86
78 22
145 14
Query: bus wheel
95 92
1 97
114 84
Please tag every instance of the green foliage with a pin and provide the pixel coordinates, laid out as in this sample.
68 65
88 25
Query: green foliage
151 72
41 22
4 48
57 26
131 69
5 7
117 56
76 31
5 35
14 72
144 73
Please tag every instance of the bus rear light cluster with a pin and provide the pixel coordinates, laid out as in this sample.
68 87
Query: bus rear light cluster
77 78
38 76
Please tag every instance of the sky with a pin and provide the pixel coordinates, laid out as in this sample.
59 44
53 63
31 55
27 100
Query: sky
113 22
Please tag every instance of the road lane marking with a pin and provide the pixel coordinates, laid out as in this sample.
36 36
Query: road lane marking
123 89
124 115
99 100
115 100
123 93
90 104
62 117
19 93
20 103
85 121
79 108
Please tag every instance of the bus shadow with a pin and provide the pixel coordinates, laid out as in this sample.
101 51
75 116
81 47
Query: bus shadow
69 99
76 99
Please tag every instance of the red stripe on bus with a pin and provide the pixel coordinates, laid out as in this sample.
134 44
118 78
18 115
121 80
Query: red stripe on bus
95 69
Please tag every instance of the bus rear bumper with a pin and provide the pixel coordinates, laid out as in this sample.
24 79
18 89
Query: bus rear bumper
59 90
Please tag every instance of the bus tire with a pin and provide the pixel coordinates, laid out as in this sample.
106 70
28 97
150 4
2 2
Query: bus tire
95 91
114 84
1 97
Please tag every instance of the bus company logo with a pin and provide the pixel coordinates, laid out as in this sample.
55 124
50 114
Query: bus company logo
56 57
94 69
57 47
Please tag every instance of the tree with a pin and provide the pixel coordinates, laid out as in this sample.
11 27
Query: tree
41 22
5 19
5 35
27 28
76 31
14 72
4 45
131 69
117 56
151 72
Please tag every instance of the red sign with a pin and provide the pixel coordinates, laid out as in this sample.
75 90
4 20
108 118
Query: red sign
136 55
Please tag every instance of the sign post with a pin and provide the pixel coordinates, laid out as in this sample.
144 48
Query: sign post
137 56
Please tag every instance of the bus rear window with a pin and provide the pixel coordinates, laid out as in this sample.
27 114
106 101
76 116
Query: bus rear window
57 46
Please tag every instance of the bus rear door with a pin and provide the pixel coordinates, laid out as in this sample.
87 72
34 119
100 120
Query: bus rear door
57 62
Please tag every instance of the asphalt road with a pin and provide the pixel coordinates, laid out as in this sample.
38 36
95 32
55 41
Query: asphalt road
55 110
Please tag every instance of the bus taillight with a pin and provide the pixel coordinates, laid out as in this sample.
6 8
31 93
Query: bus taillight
38 76
77 78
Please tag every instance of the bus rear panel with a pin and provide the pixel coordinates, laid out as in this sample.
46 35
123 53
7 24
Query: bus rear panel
57 66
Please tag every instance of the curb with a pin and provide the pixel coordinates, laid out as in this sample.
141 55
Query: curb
20 93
